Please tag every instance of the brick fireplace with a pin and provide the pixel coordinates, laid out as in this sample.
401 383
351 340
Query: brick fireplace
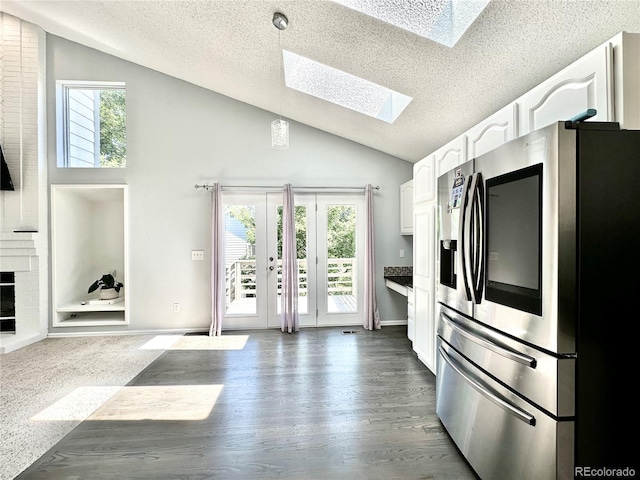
24 244
18 257
7 302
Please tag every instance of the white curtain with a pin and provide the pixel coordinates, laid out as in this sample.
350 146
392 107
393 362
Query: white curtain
217 261
371 314
290 321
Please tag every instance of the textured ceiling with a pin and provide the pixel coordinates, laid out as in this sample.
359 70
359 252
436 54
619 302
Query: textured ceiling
231 47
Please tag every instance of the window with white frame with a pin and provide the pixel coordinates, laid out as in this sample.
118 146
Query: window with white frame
91 124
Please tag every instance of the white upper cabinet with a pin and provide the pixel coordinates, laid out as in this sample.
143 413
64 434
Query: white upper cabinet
406 208
451 155
496 130
424 180
586 83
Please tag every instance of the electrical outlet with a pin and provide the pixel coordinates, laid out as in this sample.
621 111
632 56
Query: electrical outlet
197 254
401 253
176 307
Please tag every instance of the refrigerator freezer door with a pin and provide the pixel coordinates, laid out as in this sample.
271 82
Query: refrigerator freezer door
544 379
500 435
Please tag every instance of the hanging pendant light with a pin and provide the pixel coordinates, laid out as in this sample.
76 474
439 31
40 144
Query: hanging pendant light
279 127
280 134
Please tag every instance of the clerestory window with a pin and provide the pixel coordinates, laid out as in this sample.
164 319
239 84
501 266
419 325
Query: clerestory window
91 124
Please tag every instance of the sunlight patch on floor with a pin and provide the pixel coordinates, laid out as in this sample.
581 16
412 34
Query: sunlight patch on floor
149 402
77 405
196 342
160 402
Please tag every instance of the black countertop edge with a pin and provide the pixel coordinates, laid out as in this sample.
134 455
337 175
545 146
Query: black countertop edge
404 280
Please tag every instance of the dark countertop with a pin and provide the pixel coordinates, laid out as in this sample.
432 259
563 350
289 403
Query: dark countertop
404 280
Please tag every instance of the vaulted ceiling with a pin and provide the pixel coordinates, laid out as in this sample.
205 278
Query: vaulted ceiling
232 47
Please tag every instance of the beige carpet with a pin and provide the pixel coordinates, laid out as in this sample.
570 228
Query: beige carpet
48 388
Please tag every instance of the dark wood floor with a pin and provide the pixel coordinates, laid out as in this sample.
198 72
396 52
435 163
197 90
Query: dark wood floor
319 404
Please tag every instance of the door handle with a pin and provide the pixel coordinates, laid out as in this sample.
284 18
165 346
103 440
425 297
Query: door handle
271 267
477 248
483 342
271 259
463 229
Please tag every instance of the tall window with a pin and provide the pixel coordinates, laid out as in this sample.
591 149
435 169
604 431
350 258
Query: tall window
91 124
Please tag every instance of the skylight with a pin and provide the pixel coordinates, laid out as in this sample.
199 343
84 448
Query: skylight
443 21
341 88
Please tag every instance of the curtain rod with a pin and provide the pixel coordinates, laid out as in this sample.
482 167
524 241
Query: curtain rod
269 187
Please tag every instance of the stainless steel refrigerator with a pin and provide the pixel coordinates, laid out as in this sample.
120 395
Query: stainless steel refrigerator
537 285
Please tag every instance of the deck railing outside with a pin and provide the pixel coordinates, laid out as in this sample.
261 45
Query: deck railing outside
241 278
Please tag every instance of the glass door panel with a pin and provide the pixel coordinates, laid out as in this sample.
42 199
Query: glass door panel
245 266
301 251
341 259
305 247
340 268
330 243
240 259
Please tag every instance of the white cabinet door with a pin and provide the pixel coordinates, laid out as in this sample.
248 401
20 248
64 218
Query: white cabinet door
423 284
424 180
450 156
410 314
586 83
406 208
496 130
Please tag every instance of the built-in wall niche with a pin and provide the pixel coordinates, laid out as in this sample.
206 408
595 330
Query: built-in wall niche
88 240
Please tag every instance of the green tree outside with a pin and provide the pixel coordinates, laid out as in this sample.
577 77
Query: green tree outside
113 128
301 232
341 230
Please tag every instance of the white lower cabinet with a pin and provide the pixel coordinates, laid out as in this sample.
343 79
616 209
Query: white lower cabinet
88 240
410 314
424 329
423 284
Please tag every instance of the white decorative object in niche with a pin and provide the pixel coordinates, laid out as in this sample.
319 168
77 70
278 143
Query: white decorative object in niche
88 239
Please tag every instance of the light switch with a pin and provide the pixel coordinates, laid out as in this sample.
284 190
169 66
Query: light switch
401 253
197 254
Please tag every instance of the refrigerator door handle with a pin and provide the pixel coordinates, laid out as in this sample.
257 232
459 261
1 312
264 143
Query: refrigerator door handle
465 229
503 404
505 352
477 270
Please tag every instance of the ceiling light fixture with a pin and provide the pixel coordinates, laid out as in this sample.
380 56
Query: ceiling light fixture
279 127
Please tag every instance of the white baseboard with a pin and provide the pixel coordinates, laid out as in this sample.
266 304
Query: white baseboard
167 331
393 322
11 343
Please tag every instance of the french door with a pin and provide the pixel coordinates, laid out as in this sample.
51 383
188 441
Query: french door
330 244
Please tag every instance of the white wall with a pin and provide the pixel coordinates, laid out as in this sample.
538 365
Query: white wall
179 135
